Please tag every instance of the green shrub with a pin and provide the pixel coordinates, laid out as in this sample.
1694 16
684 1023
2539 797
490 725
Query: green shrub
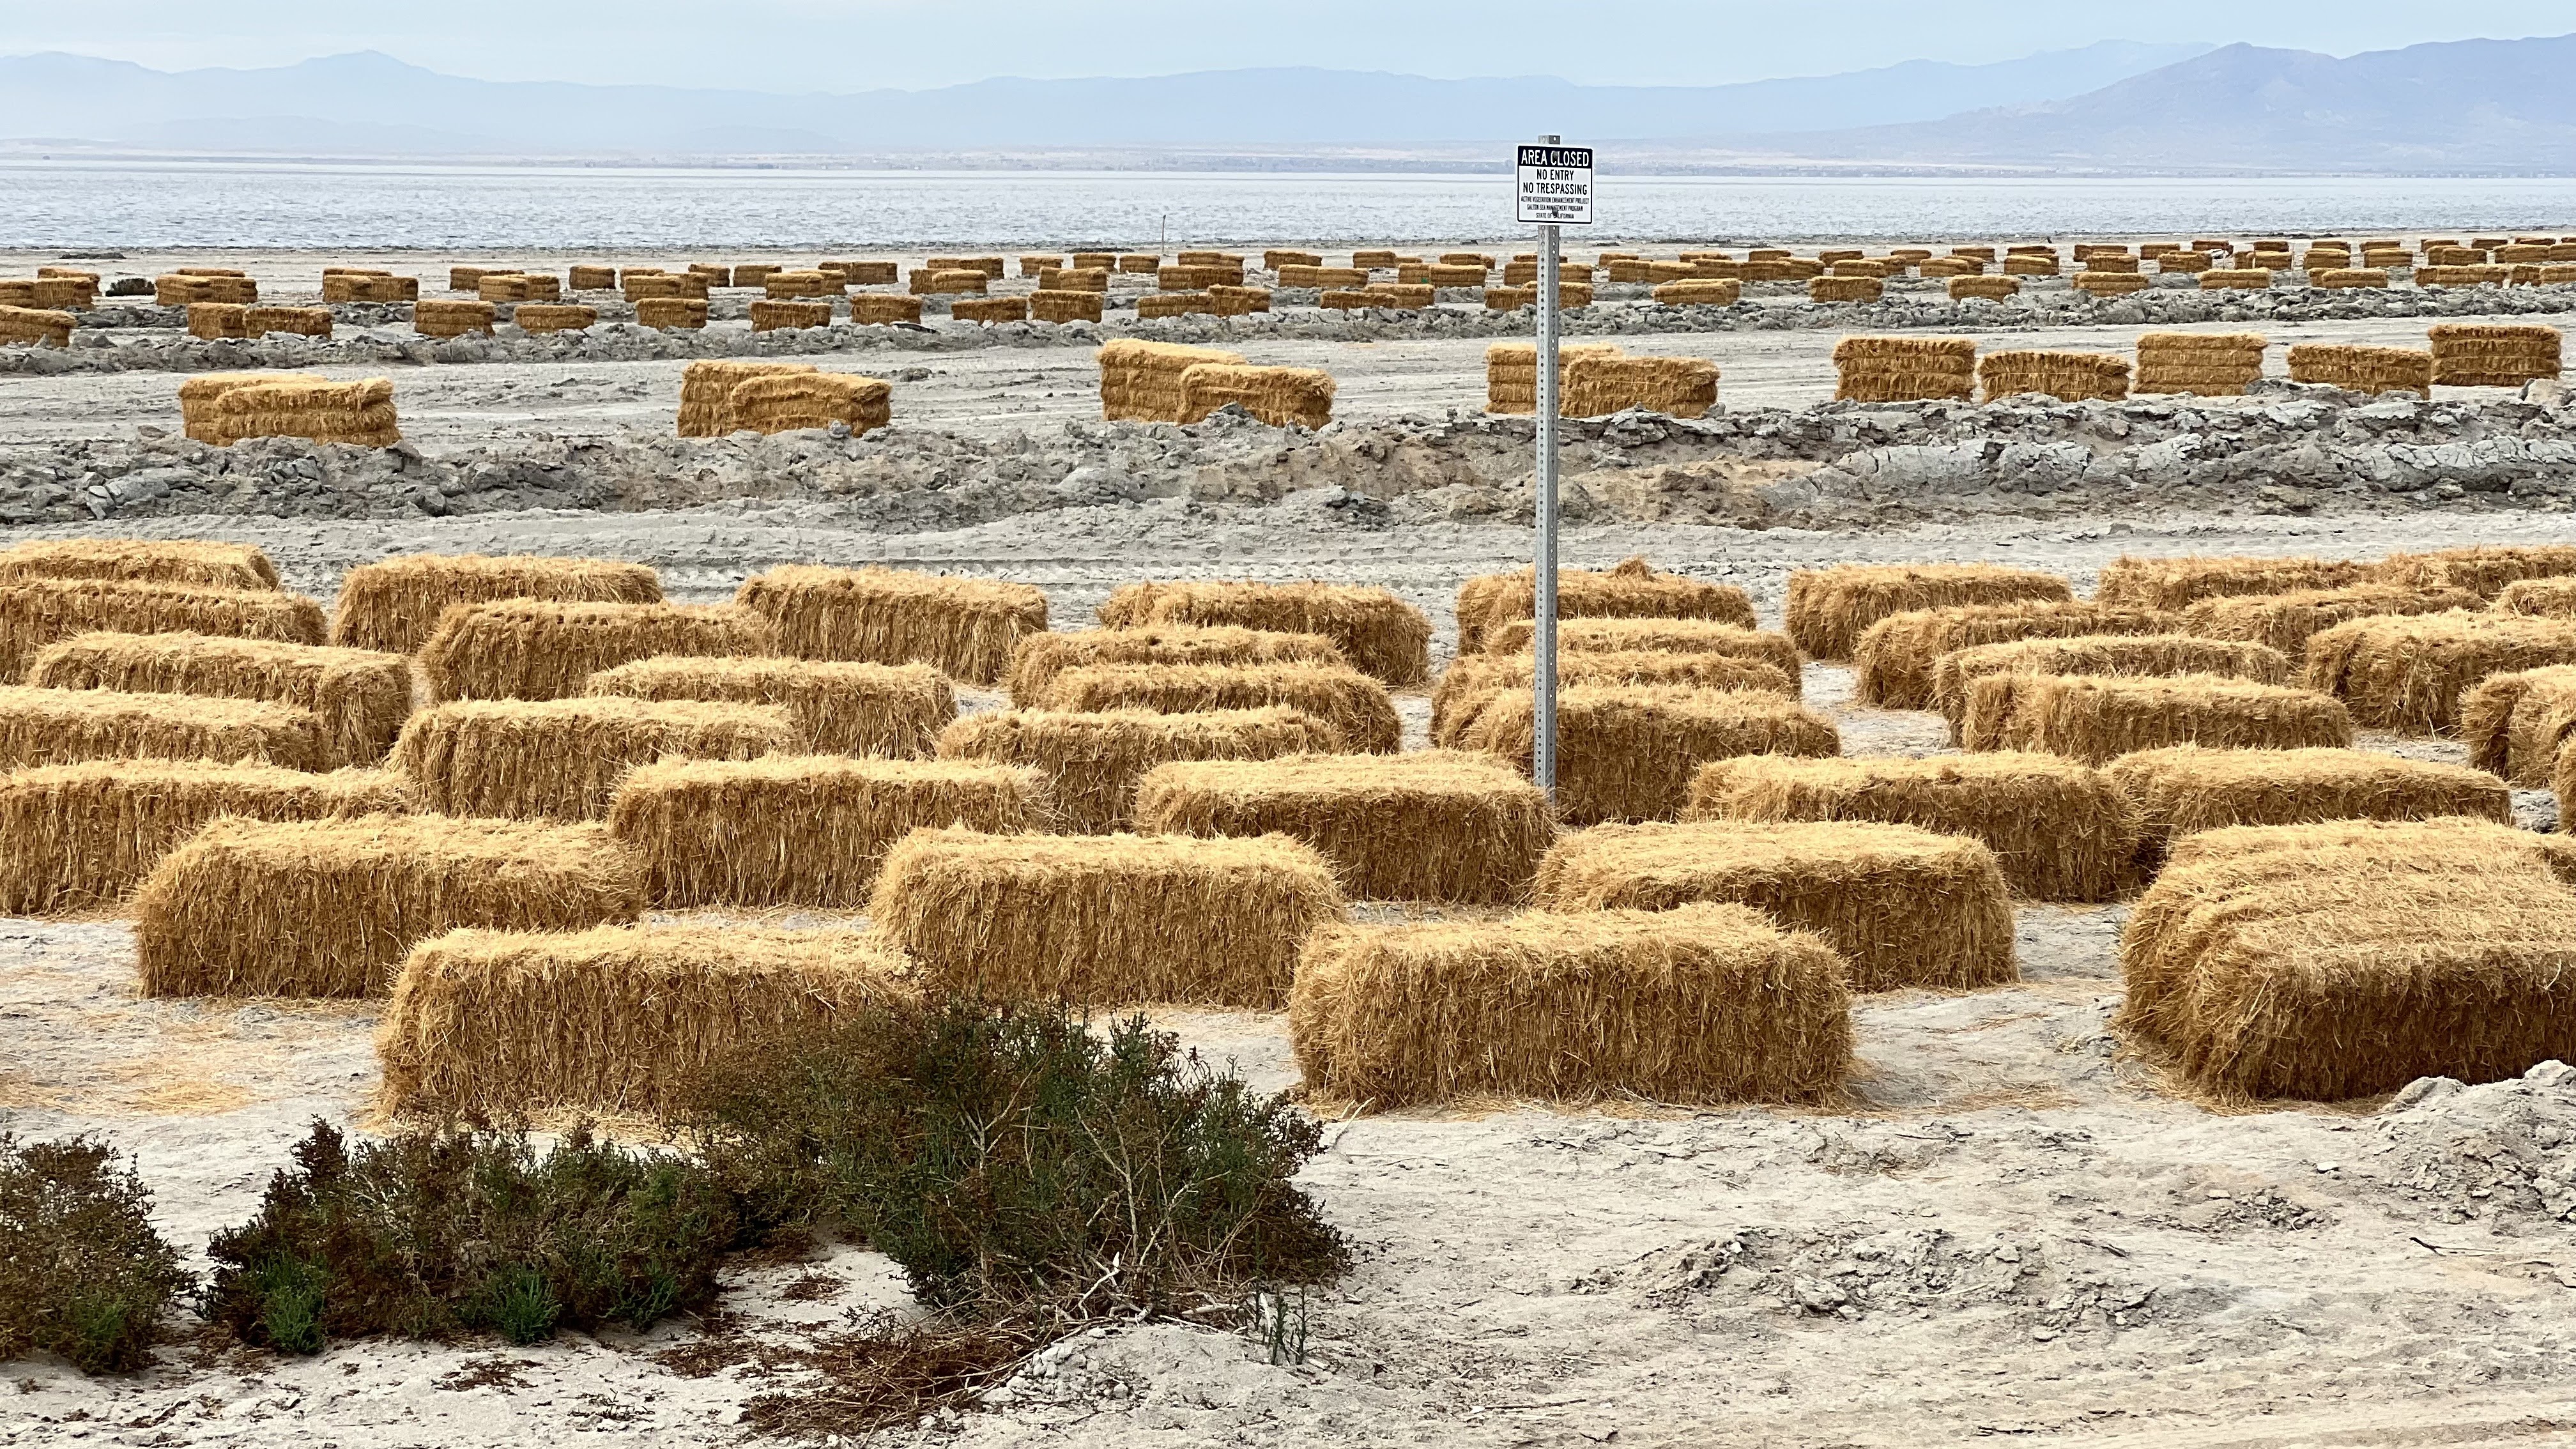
468 1229
82 1273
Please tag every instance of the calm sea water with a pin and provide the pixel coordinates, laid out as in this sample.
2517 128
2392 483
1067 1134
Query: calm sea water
70 205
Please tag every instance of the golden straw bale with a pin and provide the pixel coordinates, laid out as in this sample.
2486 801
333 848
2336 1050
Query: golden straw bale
1432 825
1399 298
436 318
466 279
989 310
83 836
1905 369
359 413
1961 288
1177 304
1094 280
672 314
561 317
593 279
361 697
394 604
2210 364
893 710
789 284
1141 381
1897 660
2188 788
2060 828
66 293
1903 907
1845 289
2066 376
952 281
2409 674
1094 761
2435 275
1283 397
1598 385
1477 680
802 830
2288 621
2108 283
2340 278
38 326
1239 301
1511 373
2244 279
707 388
612 1019
1699 1004
562 759
787 402
2021 266
1627 752
2515 723
1829 609
2329 974
214 321
2187 262
1063 304
2177 582
1630 590
1978 709
67 726
1100 919
1697 292
35 612
967 628
198 394
2098 717
879 309
2488 570
1377 633
1649 636
298 321
330 907
1040 657
2480 354
1272 261
1356 706
141 561
785 316
546 648
1931 267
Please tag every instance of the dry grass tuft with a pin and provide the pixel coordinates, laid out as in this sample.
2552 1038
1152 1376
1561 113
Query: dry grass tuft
803 830
394 604
562 759
543 649
2176 583
35 612
1103 919
1628 752
893 710
361 697
1699 1004
1903 907
1041 657
1897 661
69 726
1379 634
2188 789
1357 707
1829 609
141 561
1095 760
2097 718
2410 674
1977 713
612 1019
966 628
1633 590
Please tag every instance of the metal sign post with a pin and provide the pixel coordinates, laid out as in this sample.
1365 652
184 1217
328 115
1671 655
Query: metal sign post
1554 189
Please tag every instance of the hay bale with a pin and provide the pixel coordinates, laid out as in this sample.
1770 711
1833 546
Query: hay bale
2341 278
1379 634
358 413
1699 1004
2097 718
2066 376
1962 288
1431 825
707 389
2469 276
1102 919
1977 713
562 759
967 628
1065 304
2515 723
80 837
2336 973
1896 663
1627 752
1597 386
612 1019
216 321
950 282
2017 267
330 907
593 279
802 830
1283 397
1040 657
1094 761
294 321
547 317
1511 373
2061 829
1648 636
35 612
394 604
141 561
2109 284
2186 789
786 316
1631 590
1476 680
1695 292
2486 354
1356 706
1141 381
672 314
1902 907
989 310
197 397
2539 598
433 317
2288 621
546 648
1905 369
2488 571
2207 364
1845 289
2186 262
1829 609
2408 674
360 697
891 710
2176 583
2242 279
878 309
865 274
788 402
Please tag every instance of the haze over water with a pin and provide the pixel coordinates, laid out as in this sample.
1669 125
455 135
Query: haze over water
160 204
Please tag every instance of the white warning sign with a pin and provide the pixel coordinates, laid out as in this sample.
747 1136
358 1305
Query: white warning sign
1555 185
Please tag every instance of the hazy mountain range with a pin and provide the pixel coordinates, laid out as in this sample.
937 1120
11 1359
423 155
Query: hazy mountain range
2116 106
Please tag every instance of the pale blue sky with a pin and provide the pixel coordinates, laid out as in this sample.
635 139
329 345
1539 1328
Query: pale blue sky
842 45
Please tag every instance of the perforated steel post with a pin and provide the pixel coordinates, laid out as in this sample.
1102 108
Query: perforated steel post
1543 634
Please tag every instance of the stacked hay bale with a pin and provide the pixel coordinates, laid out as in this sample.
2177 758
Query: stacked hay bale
2098 718
2363 369
1991 288
966 628
2208 364
519 287
214 321
225 408
782 316
67 726
869 274
2243 279
1897 660
1082 279
294 321
787 402
989 310
1039 658
1978 689
1511 373
185 286
891 710
329 907
2410 674
706 392
467 279
2287 621
641 286
1827 610
1688 293
1488 603
1845 289
2111 284
64 289
1905 369
541 317
394 604
2342 278
1597 385
926 282
2387 258
1108 918
2474 354
1342 278
1903 907
2018 263
1657 637
1183 304
518 648
1372 629
32 326
2187 789
791 285
1283 397
1141 381
2452 254
438 318
563 759
879 309
361 697
1093 762
1476 681
2481 276
1432 825
1274 260
593 279
1628 752
1062 305
1357 707
2174 583
2066 376
672 314
2516 723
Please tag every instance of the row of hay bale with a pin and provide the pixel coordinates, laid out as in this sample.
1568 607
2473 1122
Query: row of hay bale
224 408
1596 379
1164 382
718 397
2209 364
